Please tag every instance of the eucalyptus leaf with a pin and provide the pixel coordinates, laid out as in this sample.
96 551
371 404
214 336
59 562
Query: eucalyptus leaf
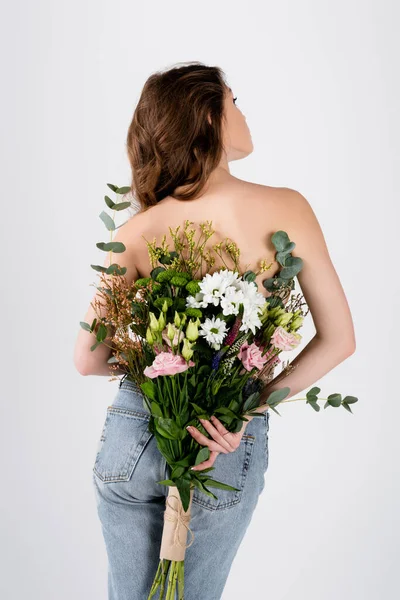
112 187
313 392
280 239
335 399
350 399
249 276
277 396
109 202
99 268
111 246
123 190
101 333
107 220
121 205
116 269
315 405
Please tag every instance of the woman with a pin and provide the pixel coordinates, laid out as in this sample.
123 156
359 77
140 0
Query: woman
186 129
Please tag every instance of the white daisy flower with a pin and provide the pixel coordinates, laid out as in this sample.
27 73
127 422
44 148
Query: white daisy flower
196 301
231 300
214 330
251 320
212 287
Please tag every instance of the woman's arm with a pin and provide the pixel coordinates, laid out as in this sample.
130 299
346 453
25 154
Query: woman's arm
94 362
334 340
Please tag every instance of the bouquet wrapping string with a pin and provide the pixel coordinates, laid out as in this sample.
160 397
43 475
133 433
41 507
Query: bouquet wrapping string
198 347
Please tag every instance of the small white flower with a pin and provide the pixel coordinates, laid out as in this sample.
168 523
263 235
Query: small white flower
231 301
196 301
214 330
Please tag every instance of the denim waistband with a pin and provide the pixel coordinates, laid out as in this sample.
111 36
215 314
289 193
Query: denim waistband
130 396
129 384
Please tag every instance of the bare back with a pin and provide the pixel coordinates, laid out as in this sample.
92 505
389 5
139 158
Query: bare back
247 213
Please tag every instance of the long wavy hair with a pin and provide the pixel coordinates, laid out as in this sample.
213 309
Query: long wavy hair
175 136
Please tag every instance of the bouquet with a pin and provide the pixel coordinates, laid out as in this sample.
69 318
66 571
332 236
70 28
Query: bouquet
198 346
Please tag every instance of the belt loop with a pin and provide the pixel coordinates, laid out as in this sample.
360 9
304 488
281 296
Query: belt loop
123 378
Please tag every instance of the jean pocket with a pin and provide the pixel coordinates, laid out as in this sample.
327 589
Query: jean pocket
232 469
124 436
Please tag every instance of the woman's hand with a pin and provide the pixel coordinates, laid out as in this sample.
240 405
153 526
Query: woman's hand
222 440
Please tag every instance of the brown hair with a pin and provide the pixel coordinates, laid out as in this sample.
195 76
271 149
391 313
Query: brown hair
170 140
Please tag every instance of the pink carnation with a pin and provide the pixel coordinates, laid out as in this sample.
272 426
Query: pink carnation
285 340
166 363
251 356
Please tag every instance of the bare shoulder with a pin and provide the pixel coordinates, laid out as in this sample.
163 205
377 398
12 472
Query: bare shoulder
280 196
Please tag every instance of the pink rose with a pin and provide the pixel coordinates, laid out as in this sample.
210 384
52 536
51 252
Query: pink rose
251 356
167 363
284 340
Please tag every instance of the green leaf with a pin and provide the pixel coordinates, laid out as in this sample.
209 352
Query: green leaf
149 388
314 391
115 269
251 401
111 246
280 239
155 272
220 485
177 472
275 411
168 428
112 187
311 398
109 202
249 276
85 326
99 268
293 266
112 360
107 220
200 473
350 399
101 333
202 455
209 493
121 205
186 461
277 396
347 407
123 190
274 301
183 486
167 482
156 409
273 284
335 399
198 409
315 405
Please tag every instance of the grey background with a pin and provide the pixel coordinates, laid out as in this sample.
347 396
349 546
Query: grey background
318 83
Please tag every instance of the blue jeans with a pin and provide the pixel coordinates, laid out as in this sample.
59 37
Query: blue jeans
130 504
